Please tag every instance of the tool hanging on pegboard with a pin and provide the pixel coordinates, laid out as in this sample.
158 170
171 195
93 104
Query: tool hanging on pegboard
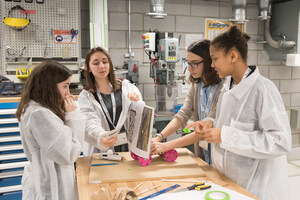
17 24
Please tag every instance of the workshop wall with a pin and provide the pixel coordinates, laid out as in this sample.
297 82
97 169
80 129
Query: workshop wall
188 17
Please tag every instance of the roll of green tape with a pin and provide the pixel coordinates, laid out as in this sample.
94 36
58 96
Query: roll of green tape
217 195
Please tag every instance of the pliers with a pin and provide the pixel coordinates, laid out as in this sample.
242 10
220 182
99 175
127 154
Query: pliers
196 186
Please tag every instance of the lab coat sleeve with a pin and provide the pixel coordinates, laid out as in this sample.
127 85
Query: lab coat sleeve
271 138
93 127
60 142
188 107
129 87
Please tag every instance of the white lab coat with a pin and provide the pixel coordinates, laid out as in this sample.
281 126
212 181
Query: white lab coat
256 137
51 147
96 123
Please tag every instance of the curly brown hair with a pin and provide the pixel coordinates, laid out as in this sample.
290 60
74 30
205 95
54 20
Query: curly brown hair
233 37
41 87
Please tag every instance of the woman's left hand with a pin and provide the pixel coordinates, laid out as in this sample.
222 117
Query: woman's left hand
133 96
212 135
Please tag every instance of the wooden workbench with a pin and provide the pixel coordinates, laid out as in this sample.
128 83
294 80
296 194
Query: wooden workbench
85 189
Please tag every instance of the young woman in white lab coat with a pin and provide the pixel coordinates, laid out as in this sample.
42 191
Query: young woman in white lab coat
52 133
200 102
251 133
105 103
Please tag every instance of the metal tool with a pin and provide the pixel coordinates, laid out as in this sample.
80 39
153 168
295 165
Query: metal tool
161 192
73 32
110 155
103 164
196 186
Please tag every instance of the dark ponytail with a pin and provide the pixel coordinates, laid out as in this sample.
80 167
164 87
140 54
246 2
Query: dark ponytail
233 37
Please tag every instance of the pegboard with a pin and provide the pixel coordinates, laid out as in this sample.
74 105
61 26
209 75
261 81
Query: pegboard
38 36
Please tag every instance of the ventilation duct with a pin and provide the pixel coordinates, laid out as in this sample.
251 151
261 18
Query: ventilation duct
157 8
280 44
264 9
239 11
263 6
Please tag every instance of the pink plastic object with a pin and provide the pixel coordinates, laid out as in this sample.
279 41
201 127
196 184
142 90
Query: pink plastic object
144 161
171 155
134 156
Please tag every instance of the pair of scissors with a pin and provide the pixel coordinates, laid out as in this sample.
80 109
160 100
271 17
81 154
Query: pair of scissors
73 32
196 186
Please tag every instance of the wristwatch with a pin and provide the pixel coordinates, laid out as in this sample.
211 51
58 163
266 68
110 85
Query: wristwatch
160 137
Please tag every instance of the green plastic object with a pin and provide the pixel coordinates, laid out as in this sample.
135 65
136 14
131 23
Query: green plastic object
217 195
186 130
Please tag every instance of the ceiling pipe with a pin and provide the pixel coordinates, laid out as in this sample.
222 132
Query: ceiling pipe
264 9
280 44
239 11
157 8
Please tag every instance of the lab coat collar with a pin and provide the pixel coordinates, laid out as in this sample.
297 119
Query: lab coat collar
244 86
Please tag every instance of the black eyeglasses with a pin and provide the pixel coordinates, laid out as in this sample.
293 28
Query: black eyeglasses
193 65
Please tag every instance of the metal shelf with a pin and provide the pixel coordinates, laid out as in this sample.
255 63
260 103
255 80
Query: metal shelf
11 156
10 138
13 165
10 189
11 174
9 130
11 147
9 121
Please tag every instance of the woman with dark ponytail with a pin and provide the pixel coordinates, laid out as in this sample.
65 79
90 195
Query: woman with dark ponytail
251 134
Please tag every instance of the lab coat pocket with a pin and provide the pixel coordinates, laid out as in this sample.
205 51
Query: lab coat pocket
242 125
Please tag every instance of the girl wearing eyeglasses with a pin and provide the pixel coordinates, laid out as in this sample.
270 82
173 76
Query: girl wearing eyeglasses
200 102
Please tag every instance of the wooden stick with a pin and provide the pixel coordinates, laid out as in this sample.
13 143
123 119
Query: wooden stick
136 187
148 189
180 180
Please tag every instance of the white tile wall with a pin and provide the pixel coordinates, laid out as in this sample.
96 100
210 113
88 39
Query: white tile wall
166 24
295 99
117 39
252 27
178 7
225 10
140 6
118 21
280 72
117 6
296 72
264 70
252 57
289 86
188 17
190 24
286 99
264 59
205 8
251 11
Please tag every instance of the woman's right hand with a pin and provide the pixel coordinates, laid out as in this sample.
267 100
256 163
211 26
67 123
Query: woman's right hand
200 126
69 103
110 142
159 147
